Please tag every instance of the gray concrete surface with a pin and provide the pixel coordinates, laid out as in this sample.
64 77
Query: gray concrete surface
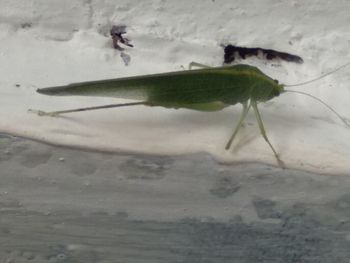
69 205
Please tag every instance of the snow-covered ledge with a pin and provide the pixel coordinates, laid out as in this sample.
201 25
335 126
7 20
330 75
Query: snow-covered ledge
49 43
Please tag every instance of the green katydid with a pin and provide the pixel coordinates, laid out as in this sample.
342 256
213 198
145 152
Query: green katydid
207 89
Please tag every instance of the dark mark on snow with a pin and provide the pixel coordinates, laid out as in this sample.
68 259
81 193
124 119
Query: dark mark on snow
232 51
117 36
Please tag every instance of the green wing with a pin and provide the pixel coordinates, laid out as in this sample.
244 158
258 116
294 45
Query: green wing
228 85
139 87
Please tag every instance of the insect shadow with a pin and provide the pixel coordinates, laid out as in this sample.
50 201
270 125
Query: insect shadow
206 89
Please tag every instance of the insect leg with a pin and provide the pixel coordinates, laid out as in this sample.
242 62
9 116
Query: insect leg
55 113
239 124
263 132
196 64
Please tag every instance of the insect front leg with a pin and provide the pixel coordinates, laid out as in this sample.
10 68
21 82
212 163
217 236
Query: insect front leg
196 64
239 124
263 132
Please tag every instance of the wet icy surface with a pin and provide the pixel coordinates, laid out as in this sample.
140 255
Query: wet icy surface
69 205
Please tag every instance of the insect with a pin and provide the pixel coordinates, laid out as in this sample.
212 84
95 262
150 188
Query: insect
206 89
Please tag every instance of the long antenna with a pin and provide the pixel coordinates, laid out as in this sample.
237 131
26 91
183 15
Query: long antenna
320 77
321 101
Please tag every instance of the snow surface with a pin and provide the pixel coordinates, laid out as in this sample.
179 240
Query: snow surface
57 42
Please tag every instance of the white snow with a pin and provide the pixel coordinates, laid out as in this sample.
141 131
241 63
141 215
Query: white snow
50 43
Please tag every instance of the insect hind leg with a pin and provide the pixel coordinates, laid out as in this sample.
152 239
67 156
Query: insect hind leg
263 133
56 113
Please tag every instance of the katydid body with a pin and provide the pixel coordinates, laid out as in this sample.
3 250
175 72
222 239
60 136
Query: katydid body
203 89
208 89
